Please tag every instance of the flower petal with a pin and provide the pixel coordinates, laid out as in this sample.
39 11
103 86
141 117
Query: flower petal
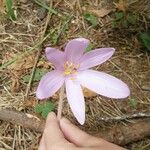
103 84
55 56
76 100
75 48
95 57
49 84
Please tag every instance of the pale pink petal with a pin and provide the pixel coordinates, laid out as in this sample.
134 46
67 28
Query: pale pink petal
103 84
76 100
75 48
55 56
49 84
95 57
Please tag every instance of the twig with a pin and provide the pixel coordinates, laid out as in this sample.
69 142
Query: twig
38 55
22 119
124 117
146 88
118 134
60 104
6 146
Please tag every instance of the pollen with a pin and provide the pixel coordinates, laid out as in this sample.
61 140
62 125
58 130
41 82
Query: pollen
70 68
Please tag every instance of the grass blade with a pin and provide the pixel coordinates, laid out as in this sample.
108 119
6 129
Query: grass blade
46 7
10 11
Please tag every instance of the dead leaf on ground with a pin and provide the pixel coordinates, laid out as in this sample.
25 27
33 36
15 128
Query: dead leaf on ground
45 64
15 86
25 62
136 43
31 102
122 5
100 13
1 3
88 93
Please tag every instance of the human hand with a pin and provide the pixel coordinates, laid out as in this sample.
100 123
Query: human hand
65 136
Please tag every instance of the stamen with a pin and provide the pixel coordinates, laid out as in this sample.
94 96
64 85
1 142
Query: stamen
70 68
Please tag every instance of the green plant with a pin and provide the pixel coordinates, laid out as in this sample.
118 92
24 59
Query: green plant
89 48
124 20
90 18
132 103
145 40
44 108
44 5
37 75
10 10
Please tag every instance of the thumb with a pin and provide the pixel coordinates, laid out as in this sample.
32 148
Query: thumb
53 137
77 136
52 133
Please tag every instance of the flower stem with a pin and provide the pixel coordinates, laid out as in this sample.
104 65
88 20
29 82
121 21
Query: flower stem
60 103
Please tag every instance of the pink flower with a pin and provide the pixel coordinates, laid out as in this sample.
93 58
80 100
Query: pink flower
72 69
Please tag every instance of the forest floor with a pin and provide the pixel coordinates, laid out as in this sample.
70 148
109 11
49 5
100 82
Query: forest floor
105 23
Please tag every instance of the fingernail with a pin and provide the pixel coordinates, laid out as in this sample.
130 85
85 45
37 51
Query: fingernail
51 116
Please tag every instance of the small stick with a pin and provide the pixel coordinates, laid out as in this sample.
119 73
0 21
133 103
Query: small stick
23 119
60 103
124 117
118 134
146 88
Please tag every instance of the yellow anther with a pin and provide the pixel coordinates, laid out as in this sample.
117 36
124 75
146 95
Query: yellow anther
70 68
67 72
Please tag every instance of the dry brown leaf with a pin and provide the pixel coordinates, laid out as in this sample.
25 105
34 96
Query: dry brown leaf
31 102
136 43
88 93
44 64
122 5
25 62
100 13
7 56
15 86
1 4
